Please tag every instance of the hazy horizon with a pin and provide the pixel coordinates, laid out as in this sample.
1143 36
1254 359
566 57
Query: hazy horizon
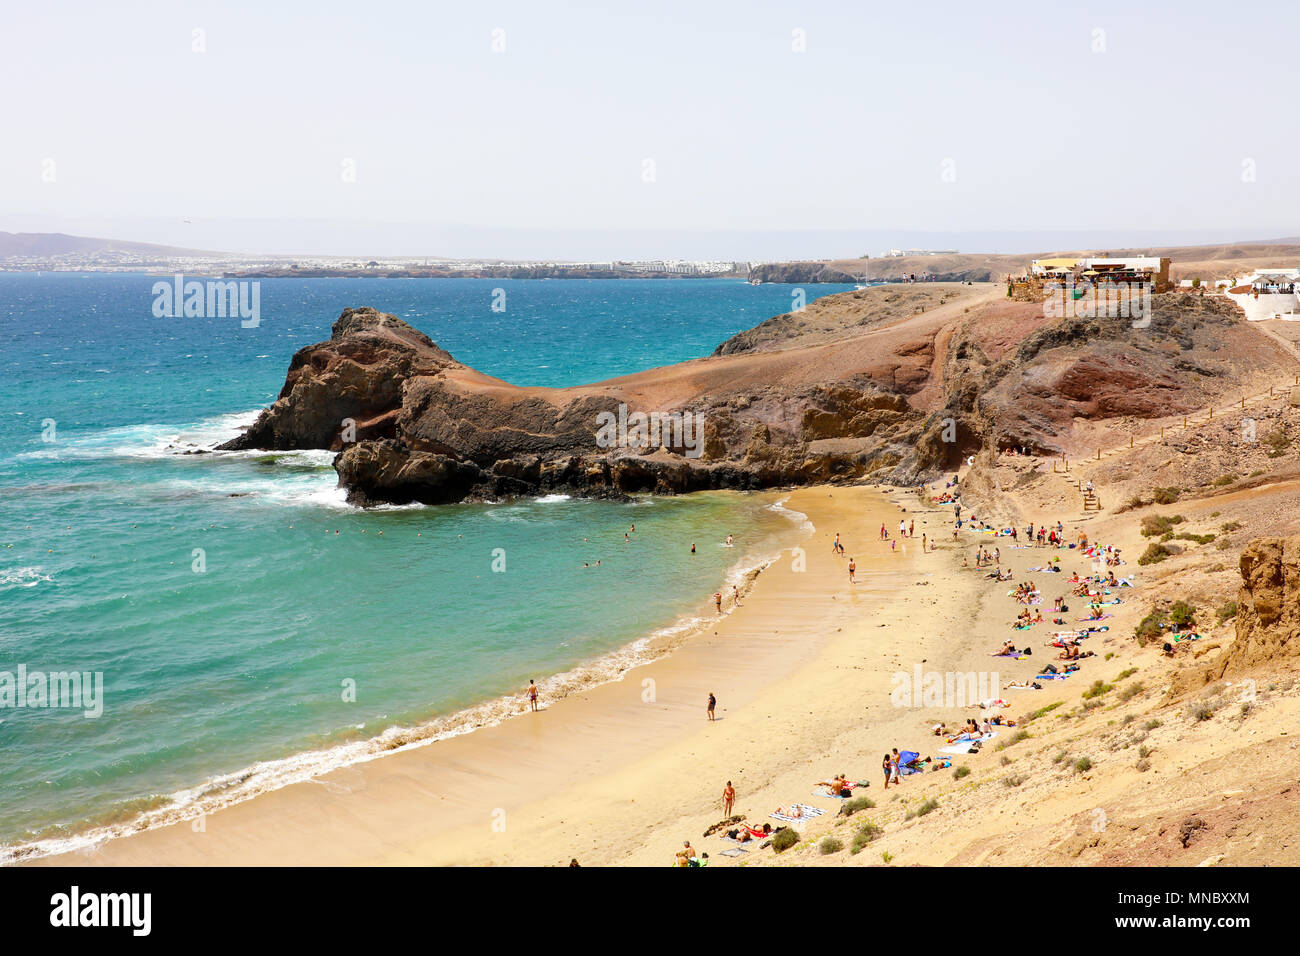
757 131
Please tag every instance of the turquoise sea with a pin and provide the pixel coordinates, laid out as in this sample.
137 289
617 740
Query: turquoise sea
250 627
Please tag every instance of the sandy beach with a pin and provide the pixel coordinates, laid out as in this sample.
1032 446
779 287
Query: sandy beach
624 772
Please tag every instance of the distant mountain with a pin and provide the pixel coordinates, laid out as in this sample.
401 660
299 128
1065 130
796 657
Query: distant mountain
57 244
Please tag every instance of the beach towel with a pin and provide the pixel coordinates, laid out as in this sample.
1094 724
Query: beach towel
808 813
1085 620
825 792
1051 676
734 851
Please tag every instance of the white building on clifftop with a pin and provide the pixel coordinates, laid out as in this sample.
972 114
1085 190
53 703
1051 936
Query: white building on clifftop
1269 294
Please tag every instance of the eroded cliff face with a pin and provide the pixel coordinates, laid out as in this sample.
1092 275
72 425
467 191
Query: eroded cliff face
1268 617
864 385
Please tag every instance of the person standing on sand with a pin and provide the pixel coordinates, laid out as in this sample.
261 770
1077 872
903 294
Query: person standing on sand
911 529
728 800
923 544
532 695
717 599
852 568
735 595
713 702
885 766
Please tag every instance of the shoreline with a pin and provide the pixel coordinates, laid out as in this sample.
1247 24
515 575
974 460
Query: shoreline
228 789
604 725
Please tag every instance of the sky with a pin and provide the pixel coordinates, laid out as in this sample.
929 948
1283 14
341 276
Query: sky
665 129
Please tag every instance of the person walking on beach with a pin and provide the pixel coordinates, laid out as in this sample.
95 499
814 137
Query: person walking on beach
735 594
728 800
923 544
713 702
717 599
852 568
532 695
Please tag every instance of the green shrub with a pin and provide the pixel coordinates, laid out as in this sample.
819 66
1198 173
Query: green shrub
1082 765
854 804
927 807
1226 612
959 772
1165 496
1182 614
1154 554
1040 712
1131 691
1096 690
830 845
866 833
1153 526
1223 480
784 839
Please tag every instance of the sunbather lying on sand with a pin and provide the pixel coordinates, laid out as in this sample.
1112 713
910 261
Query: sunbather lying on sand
839 786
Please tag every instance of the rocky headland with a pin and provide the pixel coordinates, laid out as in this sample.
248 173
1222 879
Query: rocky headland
895 383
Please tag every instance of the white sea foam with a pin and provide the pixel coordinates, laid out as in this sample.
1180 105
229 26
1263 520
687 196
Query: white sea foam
796 516
22 577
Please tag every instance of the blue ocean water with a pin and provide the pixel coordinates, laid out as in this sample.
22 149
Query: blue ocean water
249 625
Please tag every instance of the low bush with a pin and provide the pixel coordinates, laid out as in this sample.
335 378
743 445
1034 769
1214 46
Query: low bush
1154 554
830 845
784 839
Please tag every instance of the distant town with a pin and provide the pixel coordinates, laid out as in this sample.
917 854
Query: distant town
109 256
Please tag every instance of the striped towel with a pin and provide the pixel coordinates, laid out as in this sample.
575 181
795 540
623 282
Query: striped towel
807 811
